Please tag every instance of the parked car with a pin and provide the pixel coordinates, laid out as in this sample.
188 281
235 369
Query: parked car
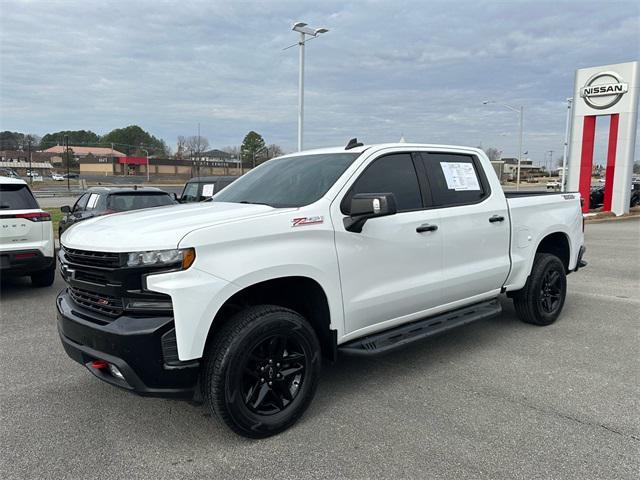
202 188
57 177
357 250
634 201
596 196
71 175
98 201
554 185
7 172
26 235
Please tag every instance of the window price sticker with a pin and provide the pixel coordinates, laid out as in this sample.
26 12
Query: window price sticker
460 176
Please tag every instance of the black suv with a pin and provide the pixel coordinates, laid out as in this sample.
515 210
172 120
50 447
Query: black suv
105 200
202 188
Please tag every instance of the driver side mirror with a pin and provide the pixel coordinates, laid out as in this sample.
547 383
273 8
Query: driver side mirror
65 209
364 206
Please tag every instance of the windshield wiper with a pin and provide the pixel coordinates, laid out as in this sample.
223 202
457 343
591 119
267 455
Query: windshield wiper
255 203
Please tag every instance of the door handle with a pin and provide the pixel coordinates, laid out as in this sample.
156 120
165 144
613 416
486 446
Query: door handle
496 218
425 227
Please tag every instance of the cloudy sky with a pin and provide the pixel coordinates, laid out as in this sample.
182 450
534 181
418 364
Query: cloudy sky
386 68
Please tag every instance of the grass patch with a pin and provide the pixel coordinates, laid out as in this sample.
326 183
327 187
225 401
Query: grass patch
56 216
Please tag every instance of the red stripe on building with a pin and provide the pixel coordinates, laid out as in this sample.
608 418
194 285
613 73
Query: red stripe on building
611 161
586 159
133 160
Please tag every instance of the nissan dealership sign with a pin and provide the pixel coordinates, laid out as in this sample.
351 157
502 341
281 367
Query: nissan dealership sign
604 95
603 90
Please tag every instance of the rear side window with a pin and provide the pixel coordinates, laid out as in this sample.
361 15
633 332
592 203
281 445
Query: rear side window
454 179
92 203
16 197
391 174
123 202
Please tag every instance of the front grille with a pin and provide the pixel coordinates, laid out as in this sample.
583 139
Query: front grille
109 306
92 259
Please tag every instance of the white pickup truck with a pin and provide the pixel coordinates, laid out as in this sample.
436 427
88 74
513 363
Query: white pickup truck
356 250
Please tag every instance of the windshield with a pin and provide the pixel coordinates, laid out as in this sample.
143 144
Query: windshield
288 182
121 202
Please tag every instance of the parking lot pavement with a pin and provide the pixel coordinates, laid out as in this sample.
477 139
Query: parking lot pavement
495 399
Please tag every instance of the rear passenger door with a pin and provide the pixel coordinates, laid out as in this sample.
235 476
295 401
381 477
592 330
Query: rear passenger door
474 226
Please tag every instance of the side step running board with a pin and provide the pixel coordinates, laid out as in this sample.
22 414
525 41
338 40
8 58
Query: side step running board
388 340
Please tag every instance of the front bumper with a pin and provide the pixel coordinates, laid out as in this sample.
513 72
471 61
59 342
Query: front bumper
141 348
24 262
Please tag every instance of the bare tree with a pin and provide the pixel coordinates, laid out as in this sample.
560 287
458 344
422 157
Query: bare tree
275 150
197 144
181 146
234 151
493 153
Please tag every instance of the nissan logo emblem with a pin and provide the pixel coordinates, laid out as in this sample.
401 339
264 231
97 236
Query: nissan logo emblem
608 90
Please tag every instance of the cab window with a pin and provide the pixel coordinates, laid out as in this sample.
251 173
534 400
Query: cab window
455 179
390 174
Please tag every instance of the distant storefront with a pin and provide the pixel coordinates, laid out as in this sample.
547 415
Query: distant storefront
126 165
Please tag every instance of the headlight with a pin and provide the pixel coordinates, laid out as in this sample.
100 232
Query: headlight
179 257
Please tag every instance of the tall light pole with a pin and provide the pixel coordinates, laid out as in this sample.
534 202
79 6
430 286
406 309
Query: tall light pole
550 161
303 29
566 143
521 112
30 168
147 152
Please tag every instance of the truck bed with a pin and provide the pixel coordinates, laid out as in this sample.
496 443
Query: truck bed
535 193
534 215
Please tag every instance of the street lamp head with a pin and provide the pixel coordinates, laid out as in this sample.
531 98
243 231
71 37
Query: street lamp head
486 102
304 28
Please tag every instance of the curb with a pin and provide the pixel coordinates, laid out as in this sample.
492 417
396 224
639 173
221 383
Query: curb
611 219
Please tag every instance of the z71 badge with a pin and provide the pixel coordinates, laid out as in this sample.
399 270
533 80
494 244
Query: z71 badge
302 221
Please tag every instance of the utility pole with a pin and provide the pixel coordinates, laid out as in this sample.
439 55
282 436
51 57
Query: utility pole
520 146
566 143
30 169
550 161
66 154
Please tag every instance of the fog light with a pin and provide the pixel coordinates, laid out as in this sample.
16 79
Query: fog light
115 372
99 364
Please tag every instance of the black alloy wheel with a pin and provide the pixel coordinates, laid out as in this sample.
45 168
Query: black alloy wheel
273 374
551 291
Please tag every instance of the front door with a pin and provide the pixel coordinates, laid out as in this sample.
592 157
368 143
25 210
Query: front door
391 272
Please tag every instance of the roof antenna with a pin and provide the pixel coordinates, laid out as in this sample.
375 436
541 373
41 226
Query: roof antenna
353 143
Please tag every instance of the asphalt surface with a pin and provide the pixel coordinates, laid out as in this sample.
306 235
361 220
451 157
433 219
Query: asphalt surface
495 399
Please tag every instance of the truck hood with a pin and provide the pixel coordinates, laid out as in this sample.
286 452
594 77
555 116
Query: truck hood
155 228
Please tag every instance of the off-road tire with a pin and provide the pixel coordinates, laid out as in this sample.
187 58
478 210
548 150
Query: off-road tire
225 364
529 300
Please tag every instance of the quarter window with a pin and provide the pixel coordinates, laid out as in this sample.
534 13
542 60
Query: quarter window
391 174
454 179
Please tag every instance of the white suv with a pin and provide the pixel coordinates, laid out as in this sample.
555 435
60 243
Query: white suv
26 235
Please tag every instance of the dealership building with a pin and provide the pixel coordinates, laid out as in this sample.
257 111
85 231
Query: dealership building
101 161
